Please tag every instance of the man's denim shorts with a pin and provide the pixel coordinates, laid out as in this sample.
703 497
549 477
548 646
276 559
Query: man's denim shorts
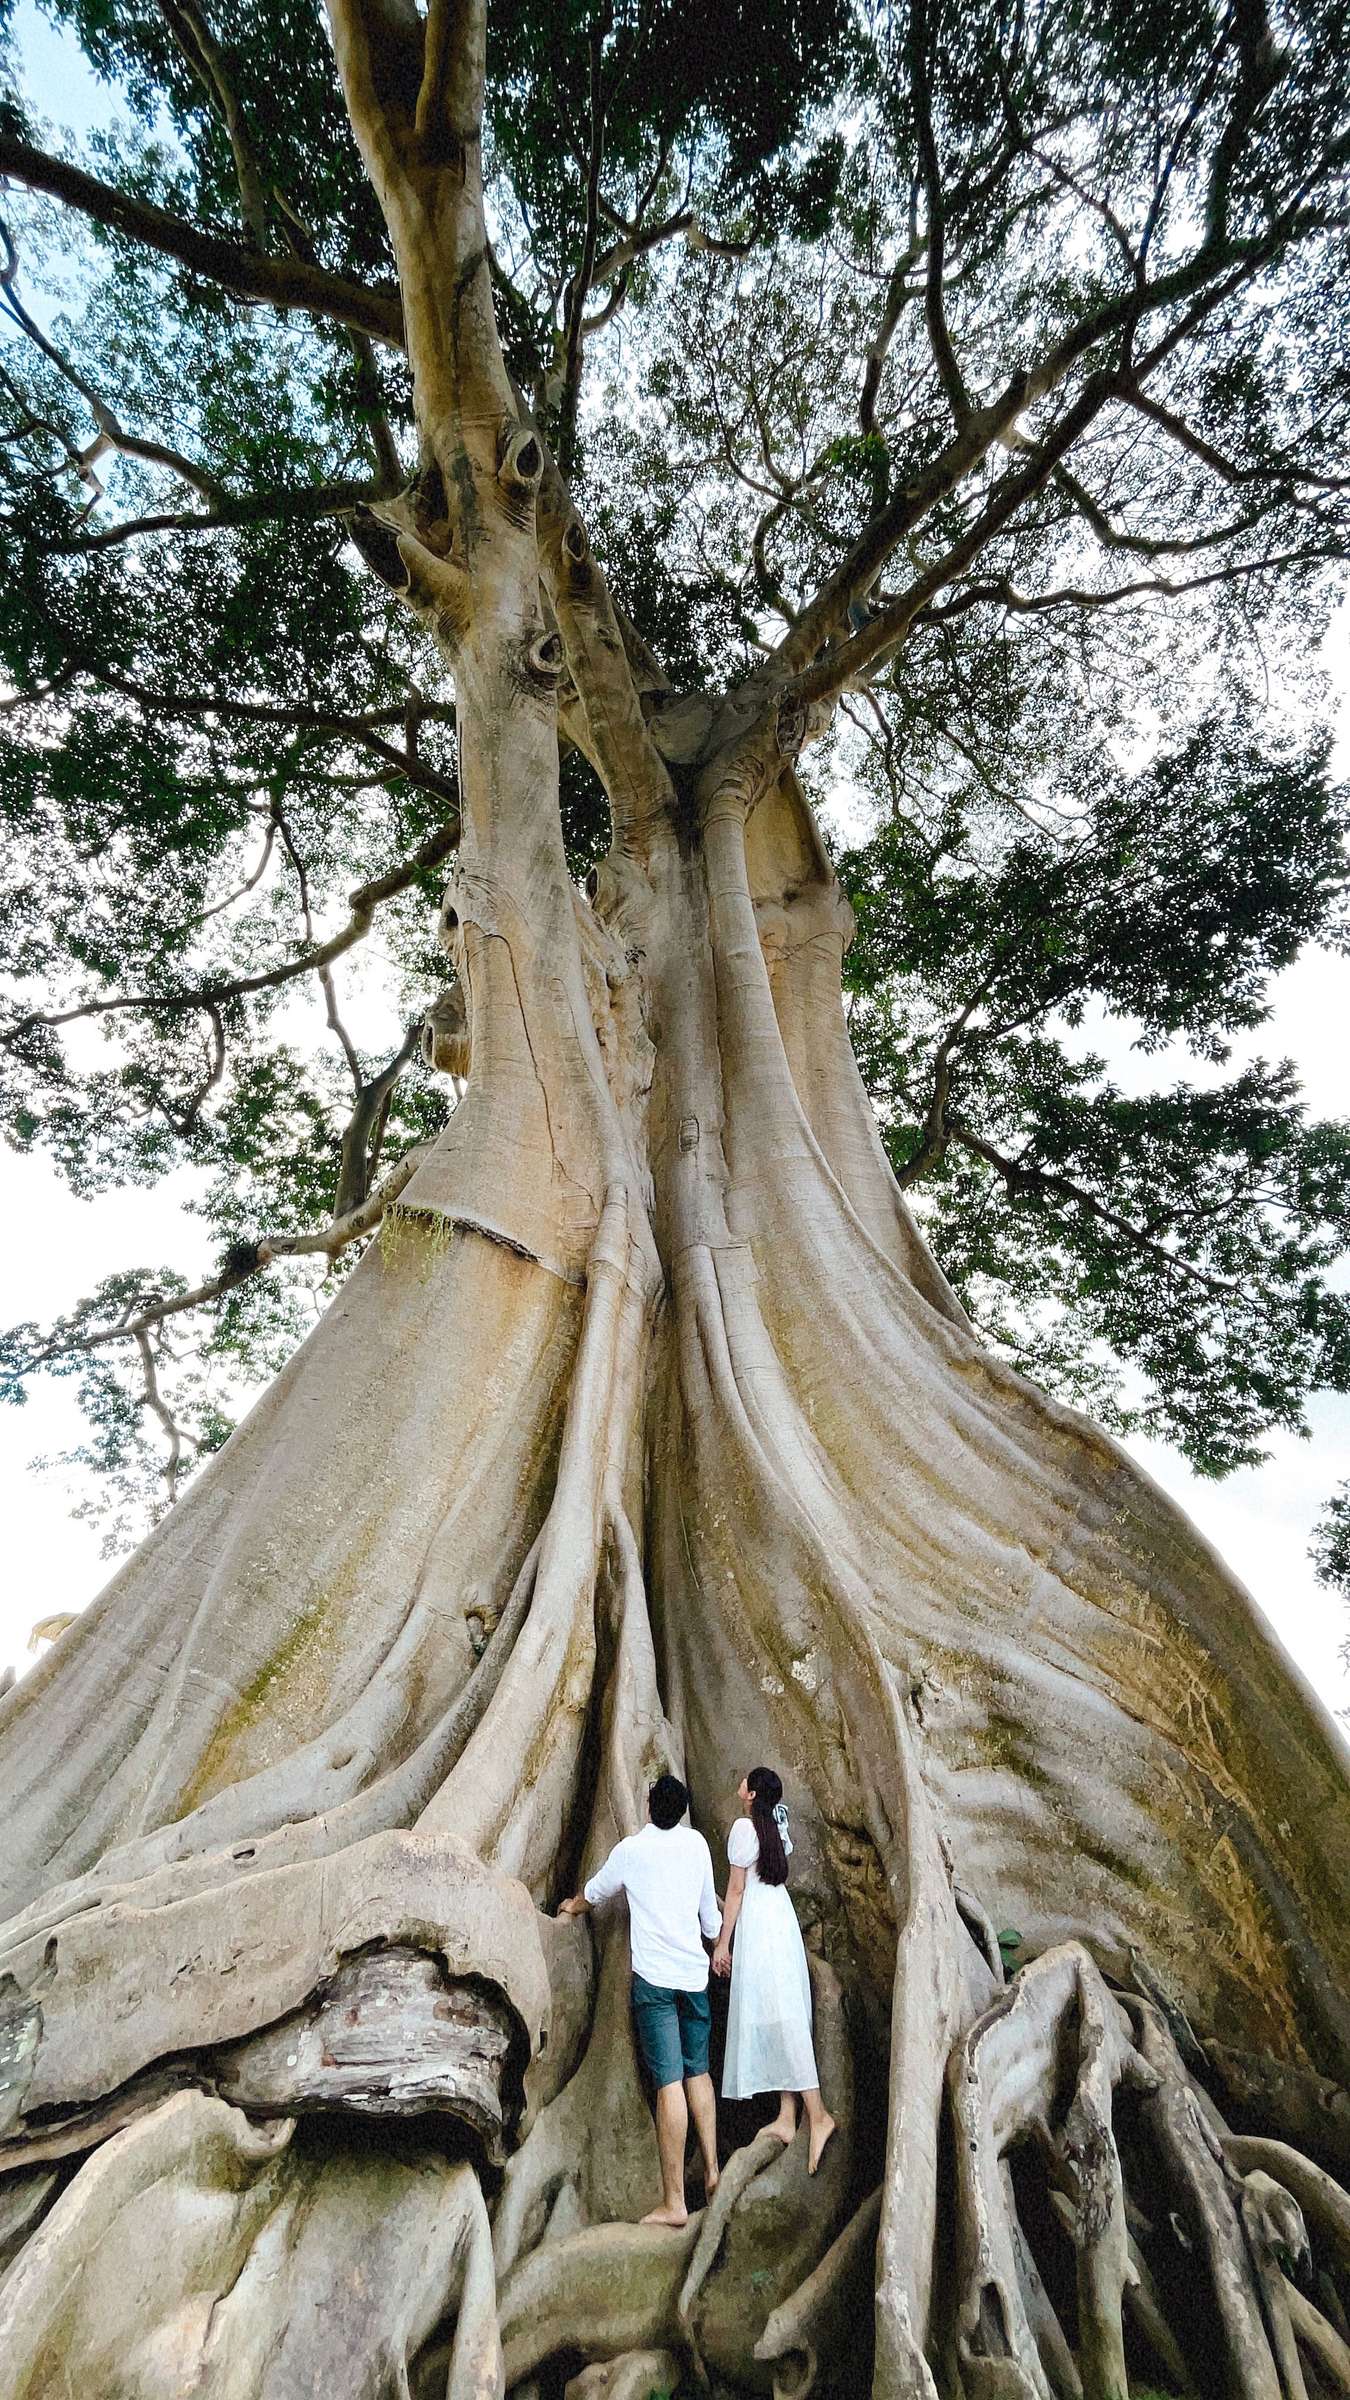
672 2031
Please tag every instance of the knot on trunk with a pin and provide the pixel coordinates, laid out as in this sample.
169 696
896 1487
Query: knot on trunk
544 661
576 554
520 466
445 1033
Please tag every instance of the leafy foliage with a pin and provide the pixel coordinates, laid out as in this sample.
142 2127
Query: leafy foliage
752 269
1331 1547
1186 1229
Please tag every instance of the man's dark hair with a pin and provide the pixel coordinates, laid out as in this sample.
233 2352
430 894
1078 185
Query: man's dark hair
667 1801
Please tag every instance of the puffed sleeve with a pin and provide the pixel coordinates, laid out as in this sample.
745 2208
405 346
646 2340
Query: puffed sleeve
742 1844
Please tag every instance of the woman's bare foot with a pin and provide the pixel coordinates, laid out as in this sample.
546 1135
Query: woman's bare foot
783 2129
676 2217
820 2134
711 2182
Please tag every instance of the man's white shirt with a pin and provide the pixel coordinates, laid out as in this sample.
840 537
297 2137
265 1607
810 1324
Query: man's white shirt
667 1875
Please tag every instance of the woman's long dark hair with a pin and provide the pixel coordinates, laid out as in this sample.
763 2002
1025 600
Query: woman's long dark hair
766 1790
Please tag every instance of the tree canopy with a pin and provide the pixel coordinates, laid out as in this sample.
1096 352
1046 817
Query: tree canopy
984 369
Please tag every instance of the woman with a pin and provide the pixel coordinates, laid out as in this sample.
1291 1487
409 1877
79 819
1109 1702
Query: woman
769 2047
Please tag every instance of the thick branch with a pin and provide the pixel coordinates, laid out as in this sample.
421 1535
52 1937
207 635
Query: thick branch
888 628
1259 71
242 508
285 283
426 167
623 752
364 1131
897 292
933 1139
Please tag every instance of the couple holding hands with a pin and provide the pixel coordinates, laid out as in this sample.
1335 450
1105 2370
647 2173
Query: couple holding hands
666 1873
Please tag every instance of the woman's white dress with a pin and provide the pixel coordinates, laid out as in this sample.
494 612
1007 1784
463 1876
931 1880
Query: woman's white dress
769 2046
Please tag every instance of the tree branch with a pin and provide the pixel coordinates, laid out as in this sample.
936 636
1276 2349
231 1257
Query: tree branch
362 903
897 293
206 59
328 1242
204 54
364 1130
1206 277
999 591
939 336
595 639
1145 545
934 1132
1259 70
1019 1177
581 282
847 660
189 705
1281 473
111 434
284 283
155 1402
231 508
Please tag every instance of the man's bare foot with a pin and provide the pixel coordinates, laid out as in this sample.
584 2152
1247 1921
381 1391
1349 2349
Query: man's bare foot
710 2183
820 2134
675 2217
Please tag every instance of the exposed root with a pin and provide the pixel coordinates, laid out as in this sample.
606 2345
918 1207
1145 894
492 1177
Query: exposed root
1326 2208
610 2289
217 1967
826 2318
1320 2341
636 2376
590 2157
1088 2088
1310 2109
197 2254
591 2154
1005 2079
740 2171
1205 2203
771 2222
477 2370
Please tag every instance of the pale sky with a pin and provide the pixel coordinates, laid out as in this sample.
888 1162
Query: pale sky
55 1248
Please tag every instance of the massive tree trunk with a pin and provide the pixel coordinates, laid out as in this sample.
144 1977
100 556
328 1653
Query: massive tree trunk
649 1433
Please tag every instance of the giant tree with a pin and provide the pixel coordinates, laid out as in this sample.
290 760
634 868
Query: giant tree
647 406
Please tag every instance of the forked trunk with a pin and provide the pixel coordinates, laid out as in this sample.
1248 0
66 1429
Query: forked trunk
648 1433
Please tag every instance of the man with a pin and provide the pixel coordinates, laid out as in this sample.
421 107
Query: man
666 1872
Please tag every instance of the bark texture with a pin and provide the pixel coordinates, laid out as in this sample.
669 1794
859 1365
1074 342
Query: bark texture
649 1434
